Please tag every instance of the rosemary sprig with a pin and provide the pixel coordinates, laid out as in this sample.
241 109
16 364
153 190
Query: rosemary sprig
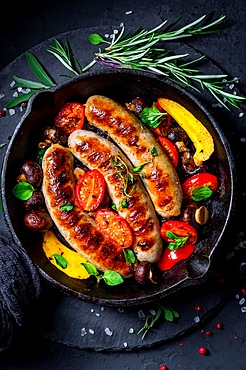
64 55
142 51
165 312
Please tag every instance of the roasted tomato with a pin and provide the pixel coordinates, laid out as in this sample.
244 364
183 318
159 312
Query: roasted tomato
170 257
90 190
114 227
180 229
170 150
200 179
70 117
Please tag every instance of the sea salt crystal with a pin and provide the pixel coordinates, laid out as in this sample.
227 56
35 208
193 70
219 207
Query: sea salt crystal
196 319
243 309
11 112
231 86
129 12
2 96
237 296
242 301
141 314
102 308
121 310
15 94
153 312
243 139
108 332
106 35
131 331
125 344
91 331
241 114
98 314
12 84
92 310
83 332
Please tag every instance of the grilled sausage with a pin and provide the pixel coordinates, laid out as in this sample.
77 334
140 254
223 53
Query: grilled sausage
98 153
136 141
78 229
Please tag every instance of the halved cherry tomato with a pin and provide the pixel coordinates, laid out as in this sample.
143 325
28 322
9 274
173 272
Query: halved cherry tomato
170 150
114 227
179 228
90 190
200 179
70 117
170 257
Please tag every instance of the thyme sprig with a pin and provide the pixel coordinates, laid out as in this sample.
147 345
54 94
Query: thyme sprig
165 312
142 51
122 170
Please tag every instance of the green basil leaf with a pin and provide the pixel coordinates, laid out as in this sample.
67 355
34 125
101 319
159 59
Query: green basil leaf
66 206
151 116
168 314
179 241
60 260
129 255
91 269
23 190
124 203
112 278
200 193
38 70
95 38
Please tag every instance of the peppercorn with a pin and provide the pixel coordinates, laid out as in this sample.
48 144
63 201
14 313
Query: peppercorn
2 113
203 350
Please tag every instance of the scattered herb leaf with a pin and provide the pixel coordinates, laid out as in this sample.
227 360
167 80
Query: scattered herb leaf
200 193
179 241
124 203
23 190
154 152
139 168
66 206
112 278
151 116
60 260
166 312
129 255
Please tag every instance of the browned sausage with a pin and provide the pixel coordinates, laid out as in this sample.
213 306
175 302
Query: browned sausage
137 142
77 227
98 153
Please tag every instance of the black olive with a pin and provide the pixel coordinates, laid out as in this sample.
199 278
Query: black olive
33 172
38 220
36 201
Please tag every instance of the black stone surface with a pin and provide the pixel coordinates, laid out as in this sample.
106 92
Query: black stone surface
53 337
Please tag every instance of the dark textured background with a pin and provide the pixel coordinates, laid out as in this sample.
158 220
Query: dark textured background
27 25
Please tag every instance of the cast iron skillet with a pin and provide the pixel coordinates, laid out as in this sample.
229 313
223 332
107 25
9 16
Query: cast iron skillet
121 86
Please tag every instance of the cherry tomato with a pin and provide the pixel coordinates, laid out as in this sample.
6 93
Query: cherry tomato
179 228
90 190
200 179
170 150
170 257
70 117
114 227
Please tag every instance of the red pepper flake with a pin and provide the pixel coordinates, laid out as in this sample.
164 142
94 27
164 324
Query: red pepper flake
203 350
2 113
163 367
219 325
181 344
209 333
243 290
198 308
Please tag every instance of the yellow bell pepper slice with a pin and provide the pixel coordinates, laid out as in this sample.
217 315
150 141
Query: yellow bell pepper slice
51 245
197 132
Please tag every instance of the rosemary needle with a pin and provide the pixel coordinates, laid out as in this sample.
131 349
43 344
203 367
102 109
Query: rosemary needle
142 51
